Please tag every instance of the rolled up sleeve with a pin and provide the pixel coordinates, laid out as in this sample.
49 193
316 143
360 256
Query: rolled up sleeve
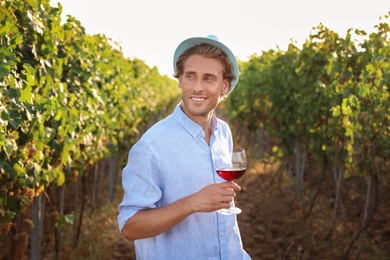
140 181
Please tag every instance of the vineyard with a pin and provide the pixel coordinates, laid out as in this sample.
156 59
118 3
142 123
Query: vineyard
69 101
71 105
324 106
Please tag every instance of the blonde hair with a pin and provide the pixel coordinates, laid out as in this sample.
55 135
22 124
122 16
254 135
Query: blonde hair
207 51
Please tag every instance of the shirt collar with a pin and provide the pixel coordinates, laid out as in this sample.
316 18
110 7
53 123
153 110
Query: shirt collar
192 128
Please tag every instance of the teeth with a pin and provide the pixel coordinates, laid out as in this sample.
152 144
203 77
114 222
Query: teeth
198 99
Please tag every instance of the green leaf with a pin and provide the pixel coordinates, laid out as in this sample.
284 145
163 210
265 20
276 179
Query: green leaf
10 146
4 70
26 94
11 214
363 90
24 200
370 68
336 111
3 12
60 180
58 115
30 72
32 3
69 219
66 150
20 171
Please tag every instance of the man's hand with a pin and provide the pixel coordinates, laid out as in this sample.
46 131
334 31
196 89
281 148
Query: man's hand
213 197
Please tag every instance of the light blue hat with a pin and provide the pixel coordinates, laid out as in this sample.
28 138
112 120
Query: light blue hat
212 40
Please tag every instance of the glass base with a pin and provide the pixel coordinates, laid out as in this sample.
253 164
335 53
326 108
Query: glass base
230 211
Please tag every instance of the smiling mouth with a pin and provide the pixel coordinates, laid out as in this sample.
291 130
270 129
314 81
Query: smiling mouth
198 99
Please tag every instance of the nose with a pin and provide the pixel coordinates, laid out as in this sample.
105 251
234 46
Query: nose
198 86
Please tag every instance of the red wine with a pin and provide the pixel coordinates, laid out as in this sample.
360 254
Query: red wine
231 174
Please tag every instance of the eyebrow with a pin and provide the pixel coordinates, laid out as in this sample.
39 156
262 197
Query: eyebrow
206 74
211 75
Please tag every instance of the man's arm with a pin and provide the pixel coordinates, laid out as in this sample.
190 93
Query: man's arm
152 222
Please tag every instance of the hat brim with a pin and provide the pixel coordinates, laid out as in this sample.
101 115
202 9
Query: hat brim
191 42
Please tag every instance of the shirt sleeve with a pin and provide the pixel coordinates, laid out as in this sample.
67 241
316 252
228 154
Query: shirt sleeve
140 182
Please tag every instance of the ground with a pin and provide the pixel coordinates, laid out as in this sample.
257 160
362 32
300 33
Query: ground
273 224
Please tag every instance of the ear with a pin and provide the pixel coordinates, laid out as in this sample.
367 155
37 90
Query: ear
179 83
225 88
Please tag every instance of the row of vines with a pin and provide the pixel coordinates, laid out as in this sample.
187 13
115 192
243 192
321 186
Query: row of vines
326 102
68 100
71 105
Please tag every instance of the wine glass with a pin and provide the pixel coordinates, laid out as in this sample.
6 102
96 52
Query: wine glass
234 171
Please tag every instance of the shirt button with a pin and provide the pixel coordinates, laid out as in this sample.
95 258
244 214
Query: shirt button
222 234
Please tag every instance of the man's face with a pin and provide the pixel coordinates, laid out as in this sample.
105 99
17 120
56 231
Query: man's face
202 86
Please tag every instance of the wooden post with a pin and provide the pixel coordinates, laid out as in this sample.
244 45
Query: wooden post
37 216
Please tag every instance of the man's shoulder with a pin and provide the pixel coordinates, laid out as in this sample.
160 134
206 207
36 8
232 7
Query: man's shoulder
162 127
222 124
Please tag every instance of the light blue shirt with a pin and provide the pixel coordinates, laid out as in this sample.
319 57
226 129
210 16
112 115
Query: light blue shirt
171 161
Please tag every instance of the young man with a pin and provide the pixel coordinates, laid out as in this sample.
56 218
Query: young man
172 191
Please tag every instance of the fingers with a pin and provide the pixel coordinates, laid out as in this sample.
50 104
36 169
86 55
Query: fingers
215 196
230 185
225 205
229 192
226 197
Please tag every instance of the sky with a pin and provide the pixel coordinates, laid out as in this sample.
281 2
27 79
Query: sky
150 30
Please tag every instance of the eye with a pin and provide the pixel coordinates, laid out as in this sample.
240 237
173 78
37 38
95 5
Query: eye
190 76
210 78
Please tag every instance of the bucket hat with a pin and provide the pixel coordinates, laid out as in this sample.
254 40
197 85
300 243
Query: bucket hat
212 40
